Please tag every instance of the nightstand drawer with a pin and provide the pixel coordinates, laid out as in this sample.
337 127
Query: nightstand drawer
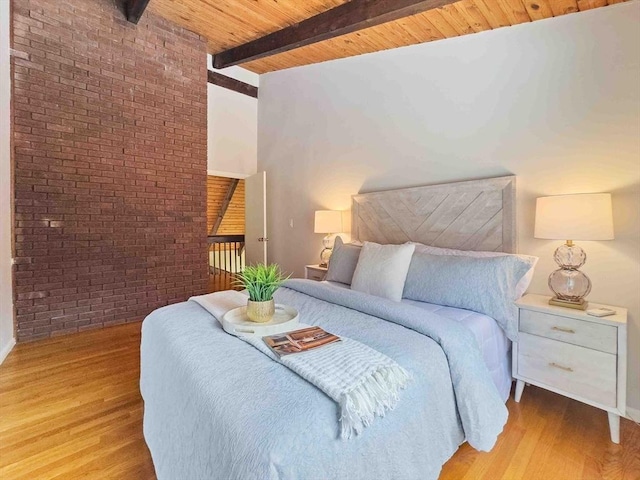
315 275
579 371
315 272
578 332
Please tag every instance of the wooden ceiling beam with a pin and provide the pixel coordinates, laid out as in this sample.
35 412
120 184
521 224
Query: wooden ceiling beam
225 205
135 9
346 18
220 80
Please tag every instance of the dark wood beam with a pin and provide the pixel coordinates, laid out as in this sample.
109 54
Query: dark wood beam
346 18
225 205
135 9
232 84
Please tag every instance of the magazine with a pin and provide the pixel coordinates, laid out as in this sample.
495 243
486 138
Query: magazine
298 341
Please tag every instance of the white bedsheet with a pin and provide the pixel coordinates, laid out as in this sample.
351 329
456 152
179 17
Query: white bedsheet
493 342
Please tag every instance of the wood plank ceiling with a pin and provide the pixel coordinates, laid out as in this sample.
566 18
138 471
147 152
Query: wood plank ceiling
229 23
233 220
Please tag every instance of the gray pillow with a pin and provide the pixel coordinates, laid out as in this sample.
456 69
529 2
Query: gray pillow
485 285
343 261
522 285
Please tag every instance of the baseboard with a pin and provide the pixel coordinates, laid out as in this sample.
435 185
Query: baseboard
633 414
6 349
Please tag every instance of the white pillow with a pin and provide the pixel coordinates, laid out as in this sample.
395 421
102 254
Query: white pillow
382 270
523 283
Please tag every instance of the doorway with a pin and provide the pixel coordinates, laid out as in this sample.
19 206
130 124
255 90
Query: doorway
226 230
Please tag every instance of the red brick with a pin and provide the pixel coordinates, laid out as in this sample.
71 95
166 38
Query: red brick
109 154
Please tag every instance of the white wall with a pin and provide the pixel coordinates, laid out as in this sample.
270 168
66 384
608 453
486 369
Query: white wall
6 295
555 102
232 127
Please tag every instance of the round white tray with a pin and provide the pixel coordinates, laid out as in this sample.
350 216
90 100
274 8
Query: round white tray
237 323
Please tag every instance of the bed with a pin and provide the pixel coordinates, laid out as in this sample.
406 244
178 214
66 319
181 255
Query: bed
495 346
217 408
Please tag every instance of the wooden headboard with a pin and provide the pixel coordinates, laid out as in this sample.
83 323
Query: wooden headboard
473 215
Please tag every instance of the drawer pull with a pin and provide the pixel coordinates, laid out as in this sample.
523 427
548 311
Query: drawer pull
564 330
566 369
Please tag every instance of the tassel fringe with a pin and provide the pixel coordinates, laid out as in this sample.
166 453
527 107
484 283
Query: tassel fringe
378 393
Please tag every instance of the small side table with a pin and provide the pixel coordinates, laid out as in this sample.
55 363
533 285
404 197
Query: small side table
315 272
574 354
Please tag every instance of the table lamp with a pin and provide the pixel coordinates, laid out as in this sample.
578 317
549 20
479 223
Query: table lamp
330 223
585 216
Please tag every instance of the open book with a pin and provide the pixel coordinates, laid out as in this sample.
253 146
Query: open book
298 341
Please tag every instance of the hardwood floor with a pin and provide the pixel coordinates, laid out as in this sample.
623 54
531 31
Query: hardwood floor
549 437
70 408
222 281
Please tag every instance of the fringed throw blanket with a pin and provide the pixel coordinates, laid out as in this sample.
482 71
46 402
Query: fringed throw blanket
364 382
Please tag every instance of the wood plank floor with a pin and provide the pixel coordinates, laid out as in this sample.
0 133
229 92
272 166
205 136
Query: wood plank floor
221 281
70 408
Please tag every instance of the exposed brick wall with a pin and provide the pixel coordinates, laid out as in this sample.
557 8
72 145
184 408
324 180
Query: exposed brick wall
109 125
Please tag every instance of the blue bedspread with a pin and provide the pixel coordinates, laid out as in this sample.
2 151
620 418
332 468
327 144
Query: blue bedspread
216 408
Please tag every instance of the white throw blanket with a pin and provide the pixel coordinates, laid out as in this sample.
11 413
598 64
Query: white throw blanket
364 382
219 303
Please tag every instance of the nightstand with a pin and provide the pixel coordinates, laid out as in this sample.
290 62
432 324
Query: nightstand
315 272
573 354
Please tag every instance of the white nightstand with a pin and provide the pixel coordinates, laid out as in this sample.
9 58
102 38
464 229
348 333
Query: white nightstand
315 272
573 354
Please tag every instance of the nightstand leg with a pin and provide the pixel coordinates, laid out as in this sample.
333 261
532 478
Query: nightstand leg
614 427
519 390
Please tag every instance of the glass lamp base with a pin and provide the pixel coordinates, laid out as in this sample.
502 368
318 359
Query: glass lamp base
325 255
327 242
570 256
568 283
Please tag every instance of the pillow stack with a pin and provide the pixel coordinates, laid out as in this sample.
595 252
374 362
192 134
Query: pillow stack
371 268
522 284
485 282
482 284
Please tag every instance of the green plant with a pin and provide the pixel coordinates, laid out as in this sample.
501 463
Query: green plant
261 281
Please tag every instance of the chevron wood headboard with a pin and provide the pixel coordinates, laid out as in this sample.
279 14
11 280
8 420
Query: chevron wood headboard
472 215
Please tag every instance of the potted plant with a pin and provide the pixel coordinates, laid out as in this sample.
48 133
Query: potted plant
261 281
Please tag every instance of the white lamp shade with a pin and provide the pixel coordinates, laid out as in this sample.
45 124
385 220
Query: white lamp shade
328 221
586 216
